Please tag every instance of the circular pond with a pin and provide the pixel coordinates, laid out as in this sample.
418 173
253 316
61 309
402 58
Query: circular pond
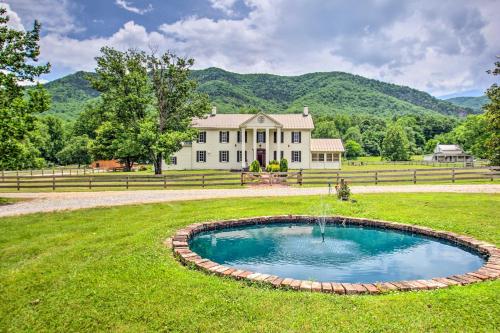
349 253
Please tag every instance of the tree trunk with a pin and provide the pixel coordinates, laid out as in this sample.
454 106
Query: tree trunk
157 163
128 165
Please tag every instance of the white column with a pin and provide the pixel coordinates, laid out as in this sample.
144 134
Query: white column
243 165
278 143
254 139
267 145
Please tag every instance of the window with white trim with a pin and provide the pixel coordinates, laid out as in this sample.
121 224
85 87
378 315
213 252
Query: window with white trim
296 137
224 136
329 157
173 160
315 157
296 156
201 156
202 137
224 156
261 137
321 157
336 157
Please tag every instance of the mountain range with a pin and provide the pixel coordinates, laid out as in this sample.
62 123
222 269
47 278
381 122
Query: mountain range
324 93
474 103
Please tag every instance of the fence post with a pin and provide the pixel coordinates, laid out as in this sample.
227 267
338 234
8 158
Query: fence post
127 182
90 183
31 172
203 181
53 182
414 176
241 178
164 181
337 181
299 178
453 175
376 177
492 170
18 185
42 171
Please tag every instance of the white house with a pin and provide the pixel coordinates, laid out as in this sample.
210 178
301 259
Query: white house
449 153
233 141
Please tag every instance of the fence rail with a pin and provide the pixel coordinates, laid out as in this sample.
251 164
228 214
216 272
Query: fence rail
232 179
328 177
57 181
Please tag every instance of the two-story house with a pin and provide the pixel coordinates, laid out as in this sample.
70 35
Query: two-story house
233 141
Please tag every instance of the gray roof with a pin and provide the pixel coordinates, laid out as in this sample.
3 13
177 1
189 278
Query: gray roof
234 121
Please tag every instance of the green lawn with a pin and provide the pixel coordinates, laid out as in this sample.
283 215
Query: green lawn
107 270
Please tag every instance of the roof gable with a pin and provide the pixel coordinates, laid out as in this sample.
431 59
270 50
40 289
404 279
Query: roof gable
261 120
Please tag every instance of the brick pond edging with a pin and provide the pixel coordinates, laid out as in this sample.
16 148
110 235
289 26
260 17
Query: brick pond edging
489 271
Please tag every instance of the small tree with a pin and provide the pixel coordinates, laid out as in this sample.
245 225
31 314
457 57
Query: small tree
395 146
492 114
255 166
177 103
283 165
353 150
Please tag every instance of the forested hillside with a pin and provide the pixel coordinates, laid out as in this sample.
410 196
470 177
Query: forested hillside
325 94
69 94
475 103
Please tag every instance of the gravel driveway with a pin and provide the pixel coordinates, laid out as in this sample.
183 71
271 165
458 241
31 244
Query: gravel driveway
49 201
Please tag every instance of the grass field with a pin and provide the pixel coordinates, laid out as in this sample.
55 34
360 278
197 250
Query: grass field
107 270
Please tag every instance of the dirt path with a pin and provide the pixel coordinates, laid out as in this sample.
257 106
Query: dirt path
48 202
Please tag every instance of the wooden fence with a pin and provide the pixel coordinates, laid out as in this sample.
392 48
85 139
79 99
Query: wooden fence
326 177
113 181
477 163
235 179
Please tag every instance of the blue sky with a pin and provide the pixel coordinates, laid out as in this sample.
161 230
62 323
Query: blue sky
442 47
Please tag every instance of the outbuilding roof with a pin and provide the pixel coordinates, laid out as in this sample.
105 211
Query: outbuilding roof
235 120
327 145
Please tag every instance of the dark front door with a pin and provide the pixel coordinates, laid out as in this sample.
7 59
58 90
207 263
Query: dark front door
261 157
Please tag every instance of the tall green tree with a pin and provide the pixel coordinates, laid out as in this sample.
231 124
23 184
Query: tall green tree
177 103
19 51
76 151
396 146
122 79
52 131
492 114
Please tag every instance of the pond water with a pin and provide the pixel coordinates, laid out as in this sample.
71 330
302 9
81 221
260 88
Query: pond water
349 253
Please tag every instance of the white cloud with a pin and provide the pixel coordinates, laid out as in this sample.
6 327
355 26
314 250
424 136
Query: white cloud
55 15
437 47
128 6
14 19
225 6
